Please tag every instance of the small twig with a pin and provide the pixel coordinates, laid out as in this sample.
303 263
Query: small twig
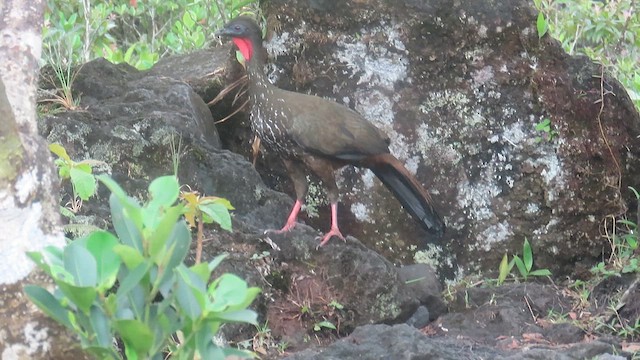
535 320
602 132
199 241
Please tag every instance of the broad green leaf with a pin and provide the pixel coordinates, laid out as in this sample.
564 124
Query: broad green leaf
504 269
101 327
228 290
217 200
542 25
190 293
324 324
59 151
246 315
48 304
101 245
527 255
164 190
84 184
126 227
82 297
133 278
202 270
181 237
84 166
81 264
129 203
206 348
218 213
160 240
38 259
130 256
136 335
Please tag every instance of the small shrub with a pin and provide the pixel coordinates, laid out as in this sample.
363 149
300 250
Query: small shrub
134 285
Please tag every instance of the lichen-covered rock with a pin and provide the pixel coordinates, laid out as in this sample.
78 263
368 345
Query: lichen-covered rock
461 88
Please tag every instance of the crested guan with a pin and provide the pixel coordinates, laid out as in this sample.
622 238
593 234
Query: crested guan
312 134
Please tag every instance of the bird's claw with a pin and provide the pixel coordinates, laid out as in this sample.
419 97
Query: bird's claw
286 228
325 239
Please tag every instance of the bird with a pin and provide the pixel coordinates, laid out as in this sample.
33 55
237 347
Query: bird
313 135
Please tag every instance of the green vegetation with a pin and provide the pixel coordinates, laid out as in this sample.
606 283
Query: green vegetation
126 31
606 31
135 32
524 265
546 130
135 286
80 174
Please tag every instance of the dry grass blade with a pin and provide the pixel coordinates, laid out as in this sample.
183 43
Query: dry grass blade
233 113
224 92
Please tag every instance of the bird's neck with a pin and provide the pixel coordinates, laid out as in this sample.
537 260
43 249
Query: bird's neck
258 82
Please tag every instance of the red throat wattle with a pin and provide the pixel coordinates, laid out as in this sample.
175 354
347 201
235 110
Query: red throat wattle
245 47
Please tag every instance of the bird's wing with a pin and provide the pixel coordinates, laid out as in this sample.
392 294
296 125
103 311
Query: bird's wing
327 128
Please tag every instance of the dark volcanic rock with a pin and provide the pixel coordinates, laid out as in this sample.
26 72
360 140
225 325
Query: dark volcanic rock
373 342
460 88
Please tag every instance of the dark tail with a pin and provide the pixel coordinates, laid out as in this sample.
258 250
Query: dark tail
413 197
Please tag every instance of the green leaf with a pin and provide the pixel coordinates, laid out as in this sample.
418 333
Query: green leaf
82 297
324 324
504 269
246 315
521 267
137 336
181 240
101 327
540 272
164 191
130 256
190 292
541 25
217 213
59 151
84 184
126 228
81 264
527 255
213 264
101 245
230 292
160 240
202 270
48 304
133 278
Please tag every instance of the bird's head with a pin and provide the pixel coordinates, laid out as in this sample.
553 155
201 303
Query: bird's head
245 33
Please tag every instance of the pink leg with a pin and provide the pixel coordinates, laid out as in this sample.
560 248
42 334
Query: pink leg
291 221
335 231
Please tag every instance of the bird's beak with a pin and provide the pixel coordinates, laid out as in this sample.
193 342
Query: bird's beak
226 32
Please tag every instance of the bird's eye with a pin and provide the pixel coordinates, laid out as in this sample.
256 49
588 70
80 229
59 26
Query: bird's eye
237 27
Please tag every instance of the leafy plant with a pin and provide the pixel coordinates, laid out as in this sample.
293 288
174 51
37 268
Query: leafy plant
80 174
136 32
135 286
544 126
524 265
542 26
324 325
200 210
623 242
606 31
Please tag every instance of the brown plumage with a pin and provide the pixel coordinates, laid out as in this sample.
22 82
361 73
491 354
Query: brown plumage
312 134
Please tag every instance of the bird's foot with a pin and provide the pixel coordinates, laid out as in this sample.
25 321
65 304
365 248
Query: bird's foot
286 228
333 232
